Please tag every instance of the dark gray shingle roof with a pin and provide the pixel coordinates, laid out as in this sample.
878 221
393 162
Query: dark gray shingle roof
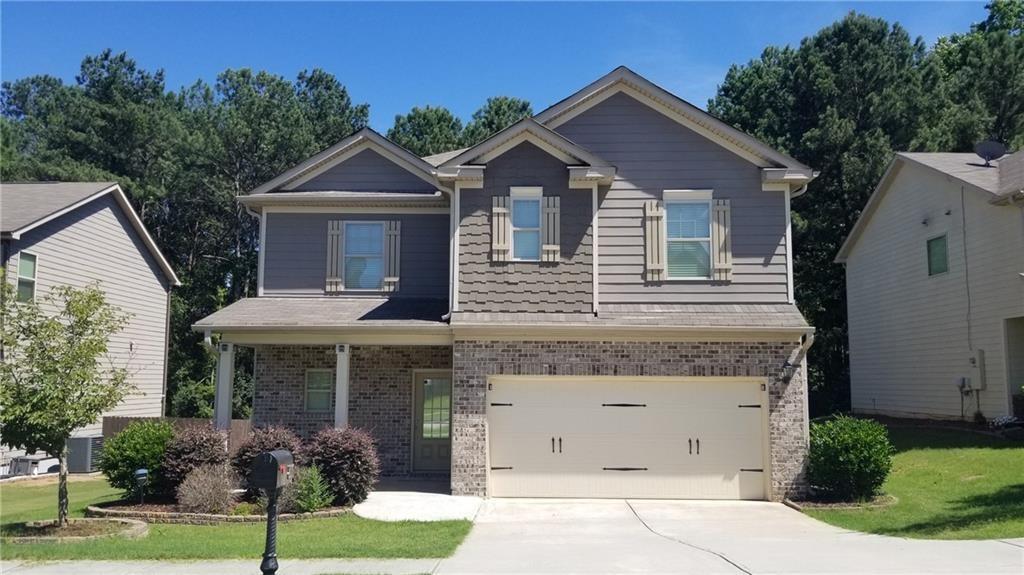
313 313
767 316
963 166
22 204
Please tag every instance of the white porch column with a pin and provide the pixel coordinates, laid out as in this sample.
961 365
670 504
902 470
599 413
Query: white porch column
341 351
225 384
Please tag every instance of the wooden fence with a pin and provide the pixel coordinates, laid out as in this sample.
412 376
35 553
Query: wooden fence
239 431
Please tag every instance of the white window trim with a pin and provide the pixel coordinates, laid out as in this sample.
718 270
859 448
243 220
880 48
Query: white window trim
34 279
927 259
689 197
329 390
344 255
525 193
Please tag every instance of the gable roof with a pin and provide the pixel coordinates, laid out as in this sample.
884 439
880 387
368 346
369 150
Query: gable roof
527 130
338 153
26 206
966 168
622 79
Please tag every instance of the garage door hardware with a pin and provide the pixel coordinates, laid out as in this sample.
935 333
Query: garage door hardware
500 468
753 470
624 468
690 441
553 445
623 405
754 405
501 405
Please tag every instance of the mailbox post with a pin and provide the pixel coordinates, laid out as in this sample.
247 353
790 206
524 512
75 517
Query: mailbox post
271 471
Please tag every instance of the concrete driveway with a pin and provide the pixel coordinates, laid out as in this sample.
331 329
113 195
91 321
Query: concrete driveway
614 536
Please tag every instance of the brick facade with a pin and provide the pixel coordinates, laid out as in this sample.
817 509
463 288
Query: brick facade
475 360
380 392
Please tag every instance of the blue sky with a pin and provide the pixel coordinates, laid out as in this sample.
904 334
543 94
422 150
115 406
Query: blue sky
396 56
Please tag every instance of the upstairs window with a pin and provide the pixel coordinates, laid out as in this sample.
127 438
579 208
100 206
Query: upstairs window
938 256
526 204
26 277
364 256
688 234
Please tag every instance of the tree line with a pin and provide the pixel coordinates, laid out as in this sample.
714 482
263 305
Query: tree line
842 101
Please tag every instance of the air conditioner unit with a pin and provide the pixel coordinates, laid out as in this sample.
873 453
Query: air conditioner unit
84 454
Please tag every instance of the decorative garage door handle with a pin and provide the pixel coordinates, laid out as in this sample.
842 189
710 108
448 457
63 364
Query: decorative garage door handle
559 444
624 468
691 445
698 446
552 445
623 405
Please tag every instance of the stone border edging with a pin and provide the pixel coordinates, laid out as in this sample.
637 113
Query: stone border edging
183 518
134 529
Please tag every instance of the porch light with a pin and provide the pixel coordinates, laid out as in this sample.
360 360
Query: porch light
141 479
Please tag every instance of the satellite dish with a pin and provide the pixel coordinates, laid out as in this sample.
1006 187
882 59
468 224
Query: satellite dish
990 150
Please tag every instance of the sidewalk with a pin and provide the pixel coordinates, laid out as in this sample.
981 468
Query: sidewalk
236 567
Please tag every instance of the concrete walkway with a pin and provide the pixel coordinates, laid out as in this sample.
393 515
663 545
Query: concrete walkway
550 536
415 506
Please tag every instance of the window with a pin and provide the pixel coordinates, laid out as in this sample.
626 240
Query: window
319 389
526 223
688 234
938 256
26 277
364 255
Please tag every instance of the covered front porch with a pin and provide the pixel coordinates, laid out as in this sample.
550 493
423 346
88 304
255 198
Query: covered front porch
381 365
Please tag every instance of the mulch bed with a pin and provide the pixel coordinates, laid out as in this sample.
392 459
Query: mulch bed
877 502
171 513
76 530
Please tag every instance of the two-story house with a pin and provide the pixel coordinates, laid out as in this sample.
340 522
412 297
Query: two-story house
594 302
81 233
935 288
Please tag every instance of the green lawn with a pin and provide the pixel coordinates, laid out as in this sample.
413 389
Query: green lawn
950 484
343 537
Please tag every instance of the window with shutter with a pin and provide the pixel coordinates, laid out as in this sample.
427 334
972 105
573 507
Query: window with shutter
551 250
500 243
526 223
721 240
654 245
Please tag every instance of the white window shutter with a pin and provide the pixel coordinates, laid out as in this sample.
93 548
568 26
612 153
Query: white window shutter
654 241
721 242
550 224
335 257
501 243
392 254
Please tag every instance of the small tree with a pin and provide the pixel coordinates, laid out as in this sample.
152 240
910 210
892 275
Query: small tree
52 377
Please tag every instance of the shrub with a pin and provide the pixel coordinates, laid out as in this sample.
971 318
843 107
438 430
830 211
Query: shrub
348 461
208 489
190 448
265 439
140 445
310 490
850 458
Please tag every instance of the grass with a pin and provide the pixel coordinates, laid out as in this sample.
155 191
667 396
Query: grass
950 484
336 537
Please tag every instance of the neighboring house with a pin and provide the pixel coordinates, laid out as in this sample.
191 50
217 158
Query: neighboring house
77 233
595 302
935 288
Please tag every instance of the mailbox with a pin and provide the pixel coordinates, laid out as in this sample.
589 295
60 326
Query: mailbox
271 470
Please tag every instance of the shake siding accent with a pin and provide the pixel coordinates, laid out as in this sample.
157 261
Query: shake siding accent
366 171
654 153
295 262
94 243
908 331
562 286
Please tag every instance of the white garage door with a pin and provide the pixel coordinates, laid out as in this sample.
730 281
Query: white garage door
692 438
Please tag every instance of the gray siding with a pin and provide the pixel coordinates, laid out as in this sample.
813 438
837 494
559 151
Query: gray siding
295 262
525 286
367 171
97 243
654 153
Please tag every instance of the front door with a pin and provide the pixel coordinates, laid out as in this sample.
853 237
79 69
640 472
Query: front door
432 419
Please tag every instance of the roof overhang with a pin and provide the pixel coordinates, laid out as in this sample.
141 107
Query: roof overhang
590 332
470 163
126 206
342 198
362 140
792 180
624 80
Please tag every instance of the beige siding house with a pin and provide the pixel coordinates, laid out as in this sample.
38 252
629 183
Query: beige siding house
594 302
75 234
935 288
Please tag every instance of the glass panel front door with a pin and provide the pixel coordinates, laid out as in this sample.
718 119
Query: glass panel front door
432 426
